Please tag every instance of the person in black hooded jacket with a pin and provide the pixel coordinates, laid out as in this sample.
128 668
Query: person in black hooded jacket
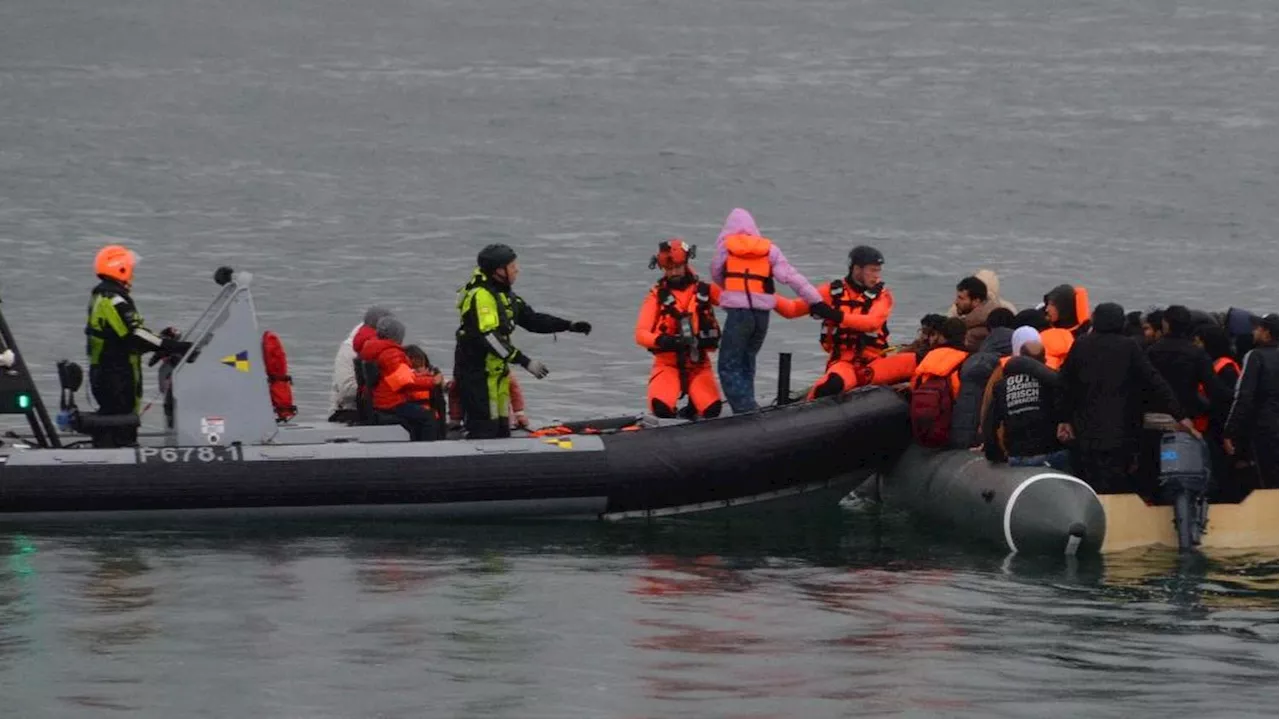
1230 479
1254 421
1067 310
1019 427
1100 408
1186 367
974 374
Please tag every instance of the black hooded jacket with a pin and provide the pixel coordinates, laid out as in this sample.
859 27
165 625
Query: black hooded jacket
1255 411
1023 402
1186 367
974 373
1104 378
1064 298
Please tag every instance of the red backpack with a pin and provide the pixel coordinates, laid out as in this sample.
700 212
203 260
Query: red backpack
930 410
278 378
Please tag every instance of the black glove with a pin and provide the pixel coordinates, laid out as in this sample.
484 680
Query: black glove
668 343
168 341
223 274
822 310
580 327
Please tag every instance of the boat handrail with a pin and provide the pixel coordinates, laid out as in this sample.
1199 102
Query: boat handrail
202 329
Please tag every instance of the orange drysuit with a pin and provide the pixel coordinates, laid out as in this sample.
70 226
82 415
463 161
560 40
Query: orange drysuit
857 347
678 325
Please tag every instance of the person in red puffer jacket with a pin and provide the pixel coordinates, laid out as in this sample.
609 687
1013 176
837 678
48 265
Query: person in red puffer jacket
398 382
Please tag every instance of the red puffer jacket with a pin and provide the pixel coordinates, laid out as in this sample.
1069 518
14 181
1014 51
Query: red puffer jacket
397 377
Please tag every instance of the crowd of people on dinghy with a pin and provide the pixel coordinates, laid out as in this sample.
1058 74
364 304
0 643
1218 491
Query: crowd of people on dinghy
1064 384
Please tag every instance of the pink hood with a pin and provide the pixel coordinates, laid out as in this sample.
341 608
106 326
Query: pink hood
739 222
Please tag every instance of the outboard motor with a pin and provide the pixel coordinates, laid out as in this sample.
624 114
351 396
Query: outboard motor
1184 477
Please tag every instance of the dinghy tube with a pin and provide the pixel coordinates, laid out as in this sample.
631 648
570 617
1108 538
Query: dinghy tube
1028 510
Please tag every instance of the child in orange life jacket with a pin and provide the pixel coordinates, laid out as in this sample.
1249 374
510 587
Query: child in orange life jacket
397 380
424 372
855 312
678 325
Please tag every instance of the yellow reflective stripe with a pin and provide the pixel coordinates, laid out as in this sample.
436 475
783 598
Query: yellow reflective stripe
145 335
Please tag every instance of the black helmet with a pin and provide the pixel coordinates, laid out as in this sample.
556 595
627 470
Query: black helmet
493 257
865 255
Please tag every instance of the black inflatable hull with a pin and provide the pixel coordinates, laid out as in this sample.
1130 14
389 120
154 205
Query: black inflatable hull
822 449
1030 510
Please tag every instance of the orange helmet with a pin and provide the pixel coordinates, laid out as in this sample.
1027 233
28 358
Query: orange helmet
115 262
673 253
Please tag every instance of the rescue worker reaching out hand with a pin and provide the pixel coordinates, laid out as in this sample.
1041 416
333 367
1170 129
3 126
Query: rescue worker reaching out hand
490 312
855 328
116 339
678 325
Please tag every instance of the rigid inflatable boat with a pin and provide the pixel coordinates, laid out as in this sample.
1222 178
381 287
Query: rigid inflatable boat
223 453
1031 510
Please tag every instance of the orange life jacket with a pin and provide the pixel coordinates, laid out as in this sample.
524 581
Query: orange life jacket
692 305
747 267
837 340
941 362
279 382
1224 362
1057 341
1202 422
421 396
561 430
396 377
1083 313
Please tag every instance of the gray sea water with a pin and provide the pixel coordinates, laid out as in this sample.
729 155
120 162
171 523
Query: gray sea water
350 153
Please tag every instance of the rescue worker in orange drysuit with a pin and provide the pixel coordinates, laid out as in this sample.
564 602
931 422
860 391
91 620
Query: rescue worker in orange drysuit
855 328
678 325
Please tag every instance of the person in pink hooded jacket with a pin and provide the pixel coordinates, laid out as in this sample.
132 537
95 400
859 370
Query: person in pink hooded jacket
746 265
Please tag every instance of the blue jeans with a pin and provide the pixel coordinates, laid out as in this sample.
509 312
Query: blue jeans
1056 460
740 340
